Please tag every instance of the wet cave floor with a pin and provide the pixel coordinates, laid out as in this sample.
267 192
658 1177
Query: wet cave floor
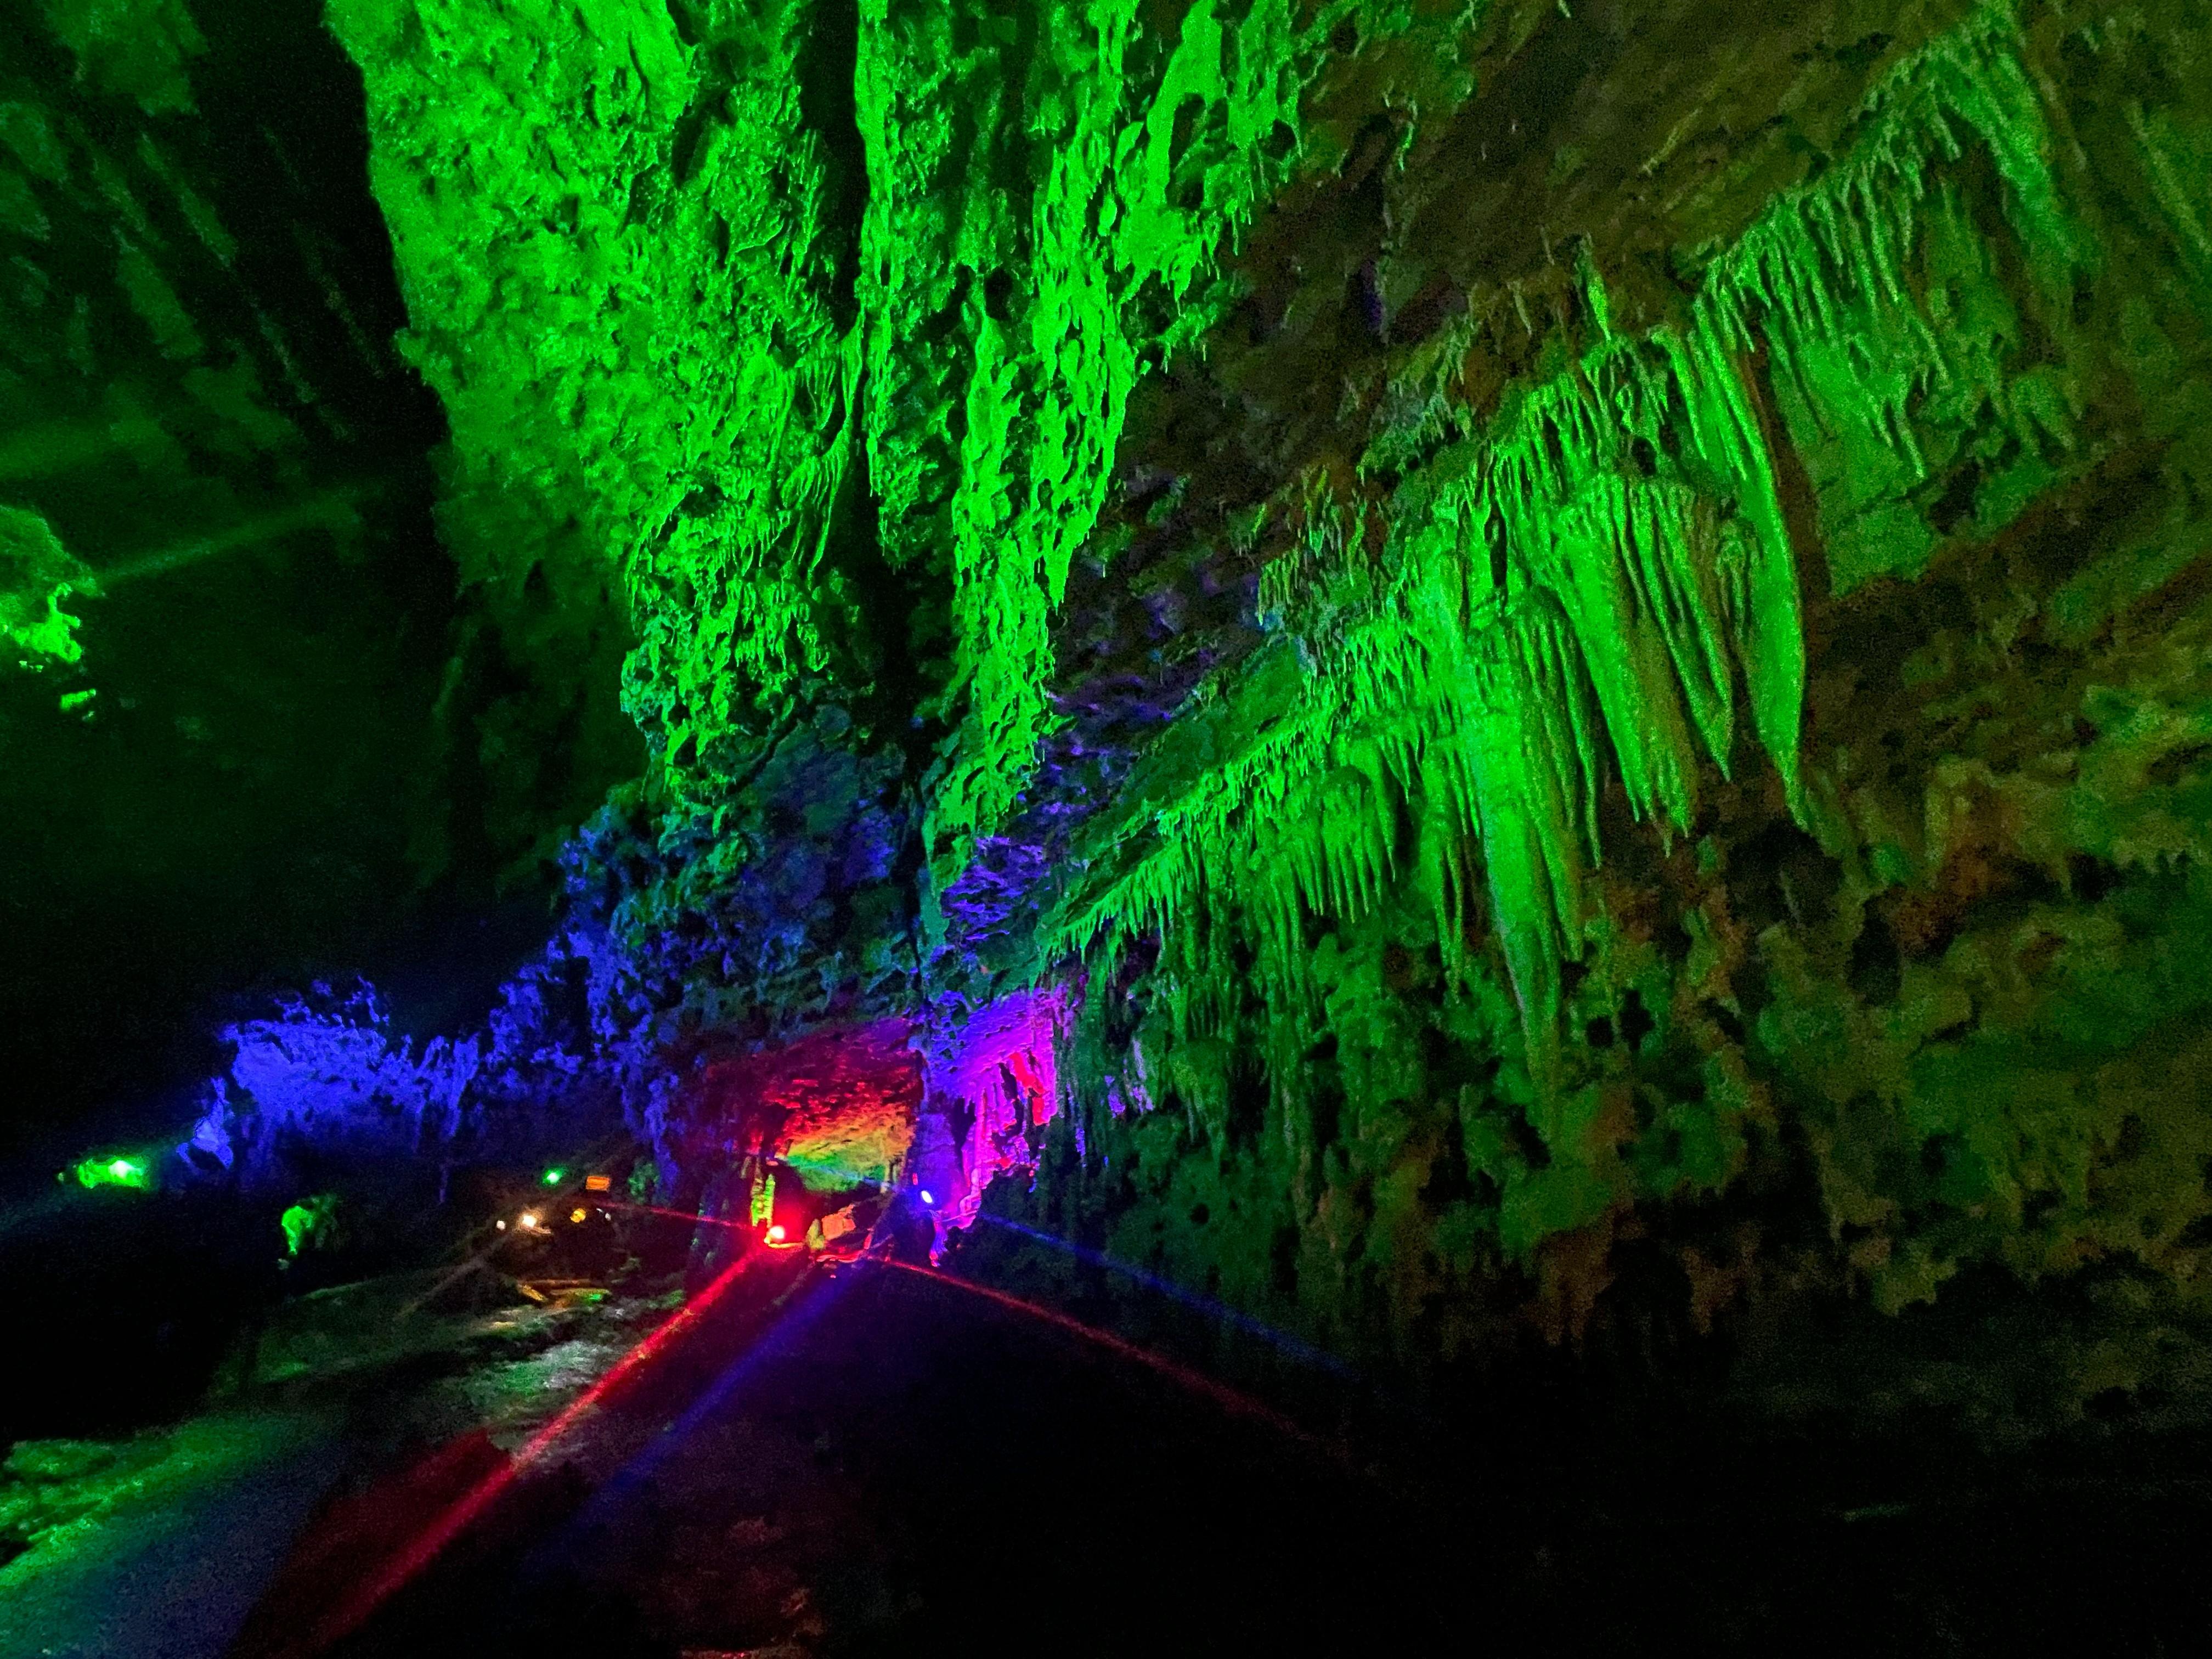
897 1467
865 1461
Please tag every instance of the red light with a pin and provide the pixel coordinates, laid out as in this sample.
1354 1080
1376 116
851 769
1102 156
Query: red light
427 1545
775 1234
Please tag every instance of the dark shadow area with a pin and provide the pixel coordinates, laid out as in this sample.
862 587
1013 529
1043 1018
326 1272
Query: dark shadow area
897 1467
274 777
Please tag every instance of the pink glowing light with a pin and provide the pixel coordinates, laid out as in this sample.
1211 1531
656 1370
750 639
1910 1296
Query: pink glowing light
1001 1064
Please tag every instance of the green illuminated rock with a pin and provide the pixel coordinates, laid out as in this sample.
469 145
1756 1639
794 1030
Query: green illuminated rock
1580 631
1540 626
37 578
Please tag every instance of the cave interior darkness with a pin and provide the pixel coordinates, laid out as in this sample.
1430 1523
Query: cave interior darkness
845 826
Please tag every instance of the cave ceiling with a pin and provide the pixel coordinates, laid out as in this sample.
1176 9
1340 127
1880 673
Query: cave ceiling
1547 636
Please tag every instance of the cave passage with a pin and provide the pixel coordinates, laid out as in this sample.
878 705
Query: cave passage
848 826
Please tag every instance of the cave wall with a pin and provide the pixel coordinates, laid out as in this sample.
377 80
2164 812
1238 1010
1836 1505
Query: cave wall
1570 635
264 722
1856 428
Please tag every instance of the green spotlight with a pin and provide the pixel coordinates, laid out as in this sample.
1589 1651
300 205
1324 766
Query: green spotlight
554 1177
113 1172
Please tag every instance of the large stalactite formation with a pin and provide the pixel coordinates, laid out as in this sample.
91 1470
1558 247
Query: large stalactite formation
1466 666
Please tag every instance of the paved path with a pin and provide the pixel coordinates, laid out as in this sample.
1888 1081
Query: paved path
896 1466
172 1575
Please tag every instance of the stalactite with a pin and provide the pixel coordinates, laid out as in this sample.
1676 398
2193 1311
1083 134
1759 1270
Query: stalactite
991 1082
1647 562
1090 198
624 288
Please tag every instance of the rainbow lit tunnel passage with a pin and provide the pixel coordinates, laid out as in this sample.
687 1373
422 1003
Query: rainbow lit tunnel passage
1003 748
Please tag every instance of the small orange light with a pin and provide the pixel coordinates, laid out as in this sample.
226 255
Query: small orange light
597 1184
529 1218
576 1214
775 1234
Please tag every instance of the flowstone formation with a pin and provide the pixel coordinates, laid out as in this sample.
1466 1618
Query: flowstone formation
1550 658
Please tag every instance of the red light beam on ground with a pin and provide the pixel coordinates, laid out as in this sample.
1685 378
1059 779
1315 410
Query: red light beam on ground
1233 1400
427 1546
